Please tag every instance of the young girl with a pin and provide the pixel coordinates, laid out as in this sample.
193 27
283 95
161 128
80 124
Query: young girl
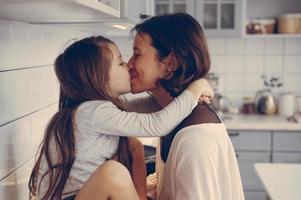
86 130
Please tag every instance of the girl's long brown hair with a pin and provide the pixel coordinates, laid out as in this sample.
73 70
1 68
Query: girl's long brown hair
83 73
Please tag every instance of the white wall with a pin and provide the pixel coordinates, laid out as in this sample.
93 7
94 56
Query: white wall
28 97
241 62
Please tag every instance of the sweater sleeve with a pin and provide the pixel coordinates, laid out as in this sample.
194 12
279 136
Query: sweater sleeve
107 118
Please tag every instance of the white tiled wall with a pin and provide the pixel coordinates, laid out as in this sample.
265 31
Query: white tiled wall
247 59
28 97
241 62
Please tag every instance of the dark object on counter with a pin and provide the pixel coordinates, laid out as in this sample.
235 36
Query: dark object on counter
150 159
266 103
248 106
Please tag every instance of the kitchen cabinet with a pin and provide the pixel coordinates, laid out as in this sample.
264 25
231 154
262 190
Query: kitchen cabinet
217 17
255 146
251 147
286 147
174 6
59 11
267 9
221 18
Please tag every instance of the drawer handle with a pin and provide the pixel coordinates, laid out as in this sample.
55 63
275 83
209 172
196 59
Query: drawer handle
233 134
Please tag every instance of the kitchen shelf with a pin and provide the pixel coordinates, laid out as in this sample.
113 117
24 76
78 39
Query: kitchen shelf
272 36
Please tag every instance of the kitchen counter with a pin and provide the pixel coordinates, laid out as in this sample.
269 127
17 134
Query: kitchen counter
290 176
259 122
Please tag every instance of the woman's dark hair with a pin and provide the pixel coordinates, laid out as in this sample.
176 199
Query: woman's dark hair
83 73
182 36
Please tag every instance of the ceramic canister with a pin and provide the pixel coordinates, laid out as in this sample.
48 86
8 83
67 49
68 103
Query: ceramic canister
286 104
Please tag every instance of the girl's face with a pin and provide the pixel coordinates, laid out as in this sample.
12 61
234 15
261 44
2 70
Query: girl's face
145 66
119 80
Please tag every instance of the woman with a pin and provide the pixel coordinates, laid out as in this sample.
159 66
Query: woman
196 160
83 137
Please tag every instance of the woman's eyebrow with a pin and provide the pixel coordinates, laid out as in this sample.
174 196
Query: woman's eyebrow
136 49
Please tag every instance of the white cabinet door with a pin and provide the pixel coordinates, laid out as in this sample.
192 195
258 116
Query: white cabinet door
246 162
287 157
221 18
251 140
287 141
174 6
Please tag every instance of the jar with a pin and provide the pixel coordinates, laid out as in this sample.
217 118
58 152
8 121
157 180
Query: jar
248 105
298 104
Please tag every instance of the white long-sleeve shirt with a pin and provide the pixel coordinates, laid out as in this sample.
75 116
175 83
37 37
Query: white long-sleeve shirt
201 165
98 125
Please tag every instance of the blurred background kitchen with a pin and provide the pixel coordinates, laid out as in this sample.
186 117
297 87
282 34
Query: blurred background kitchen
255 48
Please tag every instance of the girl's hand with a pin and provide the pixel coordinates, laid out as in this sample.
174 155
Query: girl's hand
205 99
202 90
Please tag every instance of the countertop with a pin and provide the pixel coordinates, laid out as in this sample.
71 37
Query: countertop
281 181
259 122
240 122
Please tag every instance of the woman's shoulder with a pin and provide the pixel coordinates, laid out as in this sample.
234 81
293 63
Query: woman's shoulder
201 136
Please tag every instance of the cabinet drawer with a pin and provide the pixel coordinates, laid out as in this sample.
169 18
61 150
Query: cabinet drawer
287 141
249 140
249 177
254 195
287 157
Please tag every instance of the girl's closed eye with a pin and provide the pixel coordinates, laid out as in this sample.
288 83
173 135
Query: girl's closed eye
122 63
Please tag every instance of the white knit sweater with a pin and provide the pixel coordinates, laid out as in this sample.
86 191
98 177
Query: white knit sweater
98 127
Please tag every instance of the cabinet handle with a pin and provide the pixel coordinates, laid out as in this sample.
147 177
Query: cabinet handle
237 155
233 134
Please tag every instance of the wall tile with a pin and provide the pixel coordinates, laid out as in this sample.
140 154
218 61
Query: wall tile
7 159
125 45
273 46
217 46
6 97
49 46
23 147
254 83
254 65
234 83
235 65
273 65
22 179
235 47
292 46
5 47
292 83
254 46
8 188
36 46
218 64
292 64
20 44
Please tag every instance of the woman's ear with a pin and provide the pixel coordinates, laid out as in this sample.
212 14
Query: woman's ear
171 63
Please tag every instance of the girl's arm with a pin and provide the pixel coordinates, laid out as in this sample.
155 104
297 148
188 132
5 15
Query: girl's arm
147 103
108 119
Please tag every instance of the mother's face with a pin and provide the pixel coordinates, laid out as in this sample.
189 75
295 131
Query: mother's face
145 66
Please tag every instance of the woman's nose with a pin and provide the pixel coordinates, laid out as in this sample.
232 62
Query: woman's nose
131 63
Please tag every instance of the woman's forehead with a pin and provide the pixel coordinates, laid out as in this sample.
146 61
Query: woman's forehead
142 39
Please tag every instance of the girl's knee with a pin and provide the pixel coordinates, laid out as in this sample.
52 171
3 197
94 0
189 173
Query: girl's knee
115 173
